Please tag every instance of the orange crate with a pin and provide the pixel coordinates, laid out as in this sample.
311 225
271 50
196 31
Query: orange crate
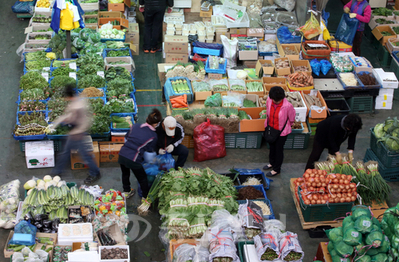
119 139
174 244
310 54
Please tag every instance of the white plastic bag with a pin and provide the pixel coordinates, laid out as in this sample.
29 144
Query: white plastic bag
230 50
287 4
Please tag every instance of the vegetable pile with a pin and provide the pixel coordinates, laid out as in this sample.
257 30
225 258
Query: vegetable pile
179 101
121 122
185 209
249 192
367 79
300 79
284 63
382 11
312 100
388 134
390 226
360 237
384 21
294 98
348 79
254 86
191 71
180 86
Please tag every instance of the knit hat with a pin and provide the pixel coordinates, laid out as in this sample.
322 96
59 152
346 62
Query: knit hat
170 125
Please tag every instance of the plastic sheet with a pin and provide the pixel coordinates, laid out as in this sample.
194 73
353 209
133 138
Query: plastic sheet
214 100
165 162
316 66
289 242
287 4
286 37
347 29
23 7
208 142
230 50
264 241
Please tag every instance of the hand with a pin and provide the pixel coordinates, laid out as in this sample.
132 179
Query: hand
161 151
350 157
347 10
338 157
352 15
141 9
169 148
170 10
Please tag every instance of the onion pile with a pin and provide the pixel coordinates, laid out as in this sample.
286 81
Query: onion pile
316 187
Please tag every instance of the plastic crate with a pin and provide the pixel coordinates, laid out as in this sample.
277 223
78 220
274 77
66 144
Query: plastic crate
106 50
378 85
168 89
257 173
236 181
207 48
267 201
121 115
384 56
296 141
314 213
389 174
359 86
240 248
298 131
361 104
310 54
257 187
57 145
243 140
387 158
220 70
79 91
337 106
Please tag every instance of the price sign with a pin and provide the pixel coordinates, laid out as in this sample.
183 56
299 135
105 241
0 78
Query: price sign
313 92
100 73
45 75
72 65
73 75
46 69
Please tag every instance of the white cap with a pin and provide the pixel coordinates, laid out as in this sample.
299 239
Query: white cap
170 125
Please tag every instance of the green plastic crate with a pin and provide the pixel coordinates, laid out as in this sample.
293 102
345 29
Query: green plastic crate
243 140
296 141
387 158
389 174
394 67
375 43
361 104
240 247
315 213
384 56
313 127
57 145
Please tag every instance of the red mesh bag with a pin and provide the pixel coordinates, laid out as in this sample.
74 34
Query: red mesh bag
208 142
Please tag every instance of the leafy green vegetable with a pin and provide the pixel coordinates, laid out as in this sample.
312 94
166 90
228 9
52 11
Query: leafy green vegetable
89 70
383 21
249 103
62 81
117 72
34 94
91 81
37 64
32 80
121 106
243 115
116 53
118 87
116 44
90 59
101 124
62 71
38 55
382 11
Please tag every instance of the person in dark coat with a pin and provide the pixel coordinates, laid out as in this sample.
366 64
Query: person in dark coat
154 11
331 133
170 135
141 138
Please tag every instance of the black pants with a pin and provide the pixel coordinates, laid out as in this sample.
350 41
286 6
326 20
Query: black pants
181 152
276 154
357 42
138 171
316 153
153 22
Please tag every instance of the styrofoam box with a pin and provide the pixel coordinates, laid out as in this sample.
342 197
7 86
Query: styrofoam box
91 256
383 104
387 79
301 111
39 154
69 233
386 98
250 253
386 91
114 260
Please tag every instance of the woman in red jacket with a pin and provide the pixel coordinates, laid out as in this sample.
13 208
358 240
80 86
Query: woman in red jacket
361 10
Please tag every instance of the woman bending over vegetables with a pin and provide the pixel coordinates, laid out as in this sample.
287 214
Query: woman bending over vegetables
140 138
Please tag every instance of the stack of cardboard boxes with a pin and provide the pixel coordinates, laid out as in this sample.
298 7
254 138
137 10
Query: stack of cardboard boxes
389 82
175 49
133 37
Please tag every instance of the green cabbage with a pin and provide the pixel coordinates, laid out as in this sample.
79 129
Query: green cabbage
335 234
343 250
379 131
392 143
352 237
363 224
358 211
379 258
364 258
375 238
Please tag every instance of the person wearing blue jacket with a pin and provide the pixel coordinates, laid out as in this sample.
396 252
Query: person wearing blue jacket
141 138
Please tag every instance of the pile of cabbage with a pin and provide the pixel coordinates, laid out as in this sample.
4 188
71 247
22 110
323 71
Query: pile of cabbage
9 197
390 225
359 239
388 133
108 32
29 256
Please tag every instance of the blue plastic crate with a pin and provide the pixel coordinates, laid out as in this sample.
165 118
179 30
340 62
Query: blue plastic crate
121 115
168 89
25 138
65 59
29 112
78 91
57 137
51 79
378 85
102 135
207 48
20 100
267 53
257 173
267 201
26 71
106 39
360 85
257 187
220 70
106 50
395 55
43 101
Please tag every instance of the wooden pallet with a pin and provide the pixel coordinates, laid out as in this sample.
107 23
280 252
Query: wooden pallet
310 225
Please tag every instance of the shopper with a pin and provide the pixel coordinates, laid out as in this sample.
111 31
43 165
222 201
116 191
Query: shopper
78 117
280 116
361 10
331 133
154 11
170 135
141 138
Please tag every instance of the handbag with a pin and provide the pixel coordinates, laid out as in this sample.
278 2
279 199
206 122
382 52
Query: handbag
270 134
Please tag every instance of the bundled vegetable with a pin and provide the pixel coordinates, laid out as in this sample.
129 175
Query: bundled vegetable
254 86
180 86
121 122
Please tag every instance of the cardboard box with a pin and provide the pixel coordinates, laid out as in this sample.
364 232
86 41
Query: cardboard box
322 253
269 82
256 32
295 63
162 71
109 151
176 38
174 58
200 96
52 236
248 55
118 139
264 70
282 71
391 46
39 154
76 161
206 13
238 31
215 76
123 23
188 141
291 47
107 14
176 47
383 39
134 48
218 34
315 114
119 7
267 87
133 37
252 125
115 232
259 93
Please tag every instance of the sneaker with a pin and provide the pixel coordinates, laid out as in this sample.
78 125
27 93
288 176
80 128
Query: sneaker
146 51
91 179
130 194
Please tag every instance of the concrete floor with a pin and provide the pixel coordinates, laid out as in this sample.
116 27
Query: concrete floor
12 161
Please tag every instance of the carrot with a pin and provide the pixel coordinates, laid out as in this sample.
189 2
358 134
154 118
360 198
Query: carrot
179 103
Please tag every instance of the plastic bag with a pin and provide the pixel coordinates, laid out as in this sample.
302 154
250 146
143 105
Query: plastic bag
352 237
229 51
335 234
221 244
84 34
286 37
265 241
359 210
223 219
311 28
325 66
208 142
347 29
214 100
183 253
274 224
165 162
23 7
375 238
289 243
287 4
233 100
316 66
251 217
